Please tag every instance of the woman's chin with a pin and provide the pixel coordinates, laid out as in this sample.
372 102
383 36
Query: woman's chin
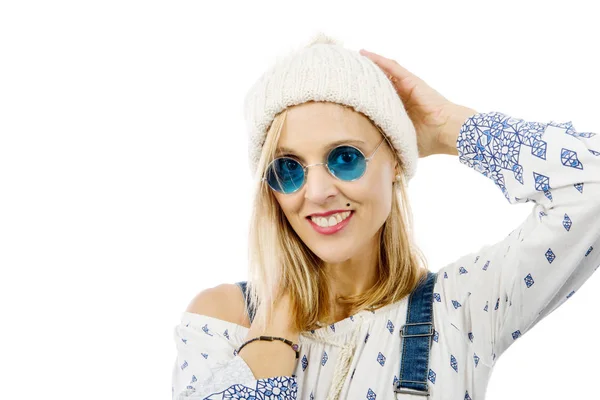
332 254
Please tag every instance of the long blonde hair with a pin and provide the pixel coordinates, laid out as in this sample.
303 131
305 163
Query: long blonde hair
279 260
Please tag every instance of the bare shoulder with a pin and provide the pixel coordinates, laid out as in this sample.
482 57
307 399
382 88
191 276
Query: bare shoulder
224 301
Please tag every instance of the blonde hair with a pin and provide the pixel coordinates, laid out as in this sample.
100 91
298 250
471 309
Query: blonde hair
279 259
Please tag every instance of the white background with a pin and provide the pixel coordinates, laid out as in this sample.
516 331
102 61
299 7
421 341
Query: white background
124 185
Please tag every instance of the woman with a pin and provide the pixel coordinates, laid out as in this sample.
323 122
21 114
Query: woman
339 297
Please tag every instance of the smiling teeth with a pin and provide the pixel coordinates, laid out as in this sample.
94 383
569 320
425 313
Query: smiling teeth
332 220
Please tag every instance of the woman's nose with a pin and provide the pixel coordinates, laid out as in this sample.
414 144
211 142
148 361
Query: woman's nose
320 184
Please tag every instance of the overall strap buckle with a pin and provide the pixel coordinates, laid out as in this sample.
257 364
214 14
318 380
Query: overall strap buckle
417 329
416 392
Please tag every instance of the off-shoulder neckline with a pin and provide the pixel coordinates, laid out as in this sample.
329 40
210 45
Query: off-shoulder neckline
337 328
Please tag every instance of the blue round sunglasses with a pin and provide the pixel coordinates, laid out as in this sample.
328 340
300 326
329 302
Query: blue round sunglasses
287 175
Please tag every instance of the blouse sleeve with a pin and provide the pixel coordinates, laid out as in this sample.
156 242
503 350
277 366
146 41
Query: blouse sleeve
497 294
207 365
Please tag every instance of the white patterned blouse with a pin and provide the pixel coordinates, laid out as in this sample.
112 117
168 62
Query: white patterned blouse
482 303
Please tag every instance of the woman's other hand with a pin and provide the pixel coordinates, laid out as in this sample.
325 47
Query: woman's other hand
436 119
267 359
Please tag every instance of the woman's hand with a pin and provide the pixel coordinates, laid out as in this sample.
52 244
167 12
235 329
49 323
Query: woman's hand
268 359
280 322
436 119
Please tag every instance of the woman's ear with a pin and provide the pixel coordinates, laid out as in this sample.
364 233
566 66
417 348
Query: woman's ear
397 168
397 171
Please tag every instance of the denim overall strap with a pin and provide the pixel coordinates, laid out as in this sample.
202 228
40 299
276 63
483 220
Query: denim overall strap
244 287
416 336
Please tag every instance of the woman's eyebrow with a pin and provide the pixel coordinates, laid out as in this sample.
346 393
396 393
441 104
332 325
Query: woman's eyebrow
286 150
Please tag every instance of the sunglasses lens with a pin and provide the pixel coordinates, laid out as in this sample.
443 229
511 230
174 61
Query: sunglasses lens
347 163
285 175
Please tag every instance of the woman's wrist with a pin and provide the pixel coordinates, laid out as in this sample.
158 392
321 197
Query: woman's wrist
271 358
272 330
449 136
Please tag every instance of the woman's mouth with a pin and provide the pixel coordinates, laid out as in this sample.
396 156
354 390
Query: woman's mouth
332 223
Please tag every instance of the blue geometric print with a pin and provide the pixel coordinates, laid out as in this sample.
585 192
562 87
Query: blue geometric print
492 142
529 280
432 375
542 182
324 358
516 334
567 223
586 135
304 363
280 387
206 330
518 170
462 271
550 256
436 297
275 388
371 394
539 149
567 125
569 159
239 392
456 304
476 359
579 186
390 326
453 363
381 359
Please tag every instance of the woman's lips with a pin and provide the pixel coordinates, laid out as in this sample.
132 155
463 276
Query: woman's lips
330 230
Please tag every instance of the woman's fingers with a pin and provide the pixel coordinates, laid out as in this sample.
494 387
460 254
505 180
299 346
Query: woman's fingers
389 66
403 80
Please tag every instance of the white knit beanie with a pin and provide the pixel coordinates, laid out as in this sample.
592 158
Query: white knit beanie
323 70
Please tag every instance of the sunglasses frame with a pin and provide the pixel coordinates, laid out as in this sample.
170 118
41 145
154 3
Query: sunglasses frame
305 167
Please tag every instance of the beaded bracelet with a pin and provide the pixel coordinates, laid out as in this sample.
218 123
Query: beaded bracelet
270 339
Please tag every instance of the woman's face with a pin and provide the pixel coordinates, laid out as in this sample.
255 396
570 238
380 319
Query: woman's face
308 131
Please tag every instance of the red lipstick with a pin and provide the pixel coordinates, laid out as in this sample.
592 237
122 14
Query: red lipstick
329 230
